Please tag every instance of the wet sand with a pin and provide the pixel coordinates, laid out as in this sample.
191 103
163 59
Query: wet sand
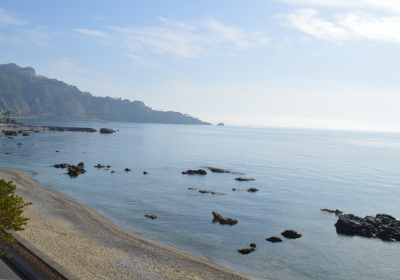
93 247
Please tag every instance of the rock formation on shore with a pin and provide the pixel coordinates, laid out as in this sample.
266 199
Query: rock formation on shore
382 226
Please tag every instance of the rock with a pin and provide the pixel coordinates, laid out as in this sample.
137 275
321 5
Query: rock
292 234
37 131
203 191
57 151
99 166
26 134
252 190
274 239
108 166
75 170
233 189
191 188
213 192
112 171
12 133
223 220
62 165
107 130
191 172
218 170
127 169
244 179
382 226
246 251
337 212
253 245
220 124
151 216
144 172
81 165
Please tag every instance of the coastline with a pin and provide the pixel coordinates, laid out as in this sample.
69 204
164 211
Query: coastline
93 247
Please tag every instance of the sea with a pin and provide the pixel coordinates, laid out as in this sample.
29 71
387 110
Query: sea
297 172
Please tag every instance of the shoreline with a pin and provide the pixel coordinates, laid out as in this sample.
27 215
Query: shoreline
93 247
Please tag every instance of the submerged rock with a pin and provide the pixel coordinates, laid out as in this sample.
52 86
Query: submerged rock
151 216
127 169
274 239
253 245
246 251
26 134
244 179
292 234
337 212
203 191
223 220
75 170
144 172
99 166
218 170
191 172
382 226
252 190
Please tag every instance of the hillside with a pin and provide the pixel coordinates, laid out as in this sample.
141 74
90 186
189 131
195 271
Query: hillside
27 94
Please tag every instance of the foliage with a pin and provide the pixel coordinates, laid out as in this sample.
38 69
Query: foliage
13 121
11 218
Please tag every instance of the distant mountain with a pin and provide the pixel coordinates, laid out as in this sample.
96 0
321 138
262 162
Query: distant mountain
28 94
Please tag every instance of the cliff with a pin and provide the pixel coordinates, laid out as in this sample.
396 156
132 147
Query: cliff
27 94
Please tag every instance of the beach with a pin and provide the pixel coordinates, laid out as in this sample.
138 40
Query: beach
92 247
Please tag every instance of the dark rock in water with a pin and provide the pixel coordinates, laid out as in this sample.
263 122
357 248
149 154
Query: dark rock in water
291 234
274 239
151 216
246 251
127 169
223 220
233 189
26 134
107 130
252 190
62 165
57 151
382 226
99 166
253 245
337 212
244 179
220 124
203 191
112 171
108 166
191 172
75 170
144 172
81 165
12 133
218 170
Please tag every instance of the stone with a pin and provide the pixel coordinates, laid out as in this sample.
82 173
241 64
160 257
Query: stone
274 239
220 124
26 134
253 245
151 216
246 251
112 171
218 170
107 130
337 212
127 169
99 166
203 191
144 172
11 133
223 220
191 172
75 170
244 179
252 190
292 234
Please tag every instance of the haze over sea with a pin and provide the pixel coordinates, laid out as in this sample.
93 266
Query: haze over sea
297 172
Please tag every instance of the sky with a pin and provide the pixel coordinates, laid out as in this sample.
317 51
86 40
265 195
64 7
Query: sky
329 64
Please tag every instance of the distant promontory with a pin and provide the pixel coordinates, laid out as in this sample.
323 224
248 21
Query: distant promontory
26 94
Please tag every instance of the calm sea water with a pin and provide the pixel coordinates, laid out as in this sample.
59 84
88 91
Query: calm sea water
297 172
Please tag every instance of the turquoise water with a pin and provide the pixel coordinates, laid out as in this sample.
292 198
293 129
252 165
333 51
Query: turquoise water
297 173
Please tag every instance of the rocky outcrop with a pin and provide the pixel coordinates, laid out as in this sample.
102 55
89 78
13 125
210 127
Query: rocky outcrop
107 130
274 239
192 172
127 169
75 170
292 234
151 216
144 172
252 190
223 220
382 226
220 124
61 165
26 134
11 133
204 191
244 179
100 166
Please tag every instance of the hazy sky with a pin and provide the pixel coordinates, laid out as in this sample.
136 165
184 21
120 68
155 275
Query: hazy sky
296 63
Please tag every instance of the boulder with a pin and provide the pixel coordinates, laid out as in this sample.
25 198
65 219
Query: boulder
11 133
223 220
75 170
252 190
253 245
292 234
191 172
107 130
337 212
26 134
218 170
274 239
99 166
203 191
127 169
220 124
382 226
144 172
81 165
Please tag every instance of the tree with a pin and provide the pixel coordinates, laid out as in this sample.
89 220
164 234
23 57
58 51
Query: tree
6 114
11 218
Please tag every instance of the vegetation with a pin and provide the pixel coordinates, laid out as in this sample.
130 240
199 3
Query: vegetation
28 94
11 218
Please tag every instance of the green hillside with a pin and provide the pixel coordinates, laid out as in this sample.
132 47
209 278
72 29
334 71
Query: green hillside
27 94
